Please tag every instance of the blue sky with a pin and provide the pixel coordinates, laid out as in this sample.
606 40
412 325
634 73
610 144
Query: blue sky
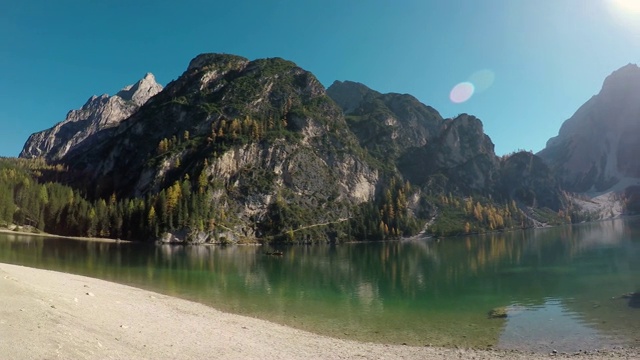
546 57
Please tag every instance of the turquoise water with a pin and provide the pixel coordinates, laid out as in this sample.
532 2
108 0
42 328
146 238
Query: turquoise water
561 287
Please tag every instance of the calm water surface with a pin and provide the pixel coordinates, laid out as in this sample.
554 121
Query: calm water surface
561 286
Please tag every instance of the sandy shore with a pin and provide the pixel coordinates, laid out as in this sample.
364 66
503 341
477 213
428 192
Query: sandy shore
52 315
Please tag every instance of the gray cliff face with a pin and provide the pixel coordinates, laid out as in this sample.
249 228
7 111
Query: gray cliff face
597 148
141 91
460 157
461 140
98 113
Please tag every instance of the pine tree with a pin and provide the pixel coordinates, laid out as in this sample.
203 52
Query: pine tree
203 181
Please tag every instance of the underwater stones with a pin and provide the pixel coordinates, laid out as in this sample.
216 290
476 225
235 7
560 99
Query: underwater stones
498 313
634 299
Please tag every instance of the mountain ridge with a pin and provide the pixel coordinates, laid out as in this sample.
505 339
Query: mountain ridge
259 149
98 113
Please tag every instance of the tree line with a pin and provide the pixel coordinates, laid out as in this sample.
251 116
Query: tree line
195 204
59 209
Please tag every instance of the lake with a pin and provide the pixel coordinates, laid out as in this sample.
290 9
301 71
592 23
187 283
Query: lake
561 287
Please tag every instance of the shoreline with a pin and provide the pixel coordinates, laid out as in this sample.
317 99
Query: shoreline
44 234
49 314
424 236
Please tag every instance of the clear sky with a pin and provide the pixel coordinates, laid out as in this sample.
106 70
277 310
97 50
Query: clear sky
535 61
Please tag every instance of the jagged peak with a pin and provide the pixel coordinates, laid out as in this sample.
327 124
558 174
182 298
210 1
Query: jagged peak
96 97
92 100
141 91
465 118
55 142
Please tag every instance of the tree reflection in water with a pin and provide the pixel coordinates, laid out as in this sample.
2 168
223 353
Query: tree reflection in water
412 291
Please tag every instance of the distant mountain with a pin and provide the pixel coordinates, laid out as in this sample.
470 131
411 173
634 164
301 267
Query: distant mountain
401 132
597 148
98 113
441 155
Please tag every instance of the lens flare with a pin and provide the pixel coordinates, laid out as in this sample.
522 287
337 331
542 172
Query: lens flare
482 80
461 92
478 82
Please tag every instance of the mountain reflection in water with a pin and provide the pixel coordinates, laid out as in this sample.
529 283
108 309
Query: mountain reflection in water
557 283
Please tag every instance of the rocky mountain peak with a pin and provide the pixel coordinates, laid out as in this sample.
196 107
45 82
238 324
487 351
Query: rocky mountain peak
463 139
98 113
141 91
596 148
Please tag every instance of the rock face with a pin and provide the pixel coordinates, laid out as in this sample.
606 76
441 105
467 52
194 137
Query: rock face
460 158
98 113
385 124
597 148
526 178
141 91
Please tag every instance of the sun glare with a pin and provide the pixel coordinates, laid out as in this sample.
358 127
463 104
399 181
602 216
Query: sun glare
630 7
626 13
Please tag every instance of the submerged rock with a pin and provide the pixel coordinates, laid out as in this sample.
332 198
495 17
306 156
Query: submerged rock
634 299
498 313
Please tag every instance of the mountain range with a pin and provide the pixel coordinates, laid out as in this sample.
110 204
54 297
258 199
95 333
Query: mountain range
237 149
